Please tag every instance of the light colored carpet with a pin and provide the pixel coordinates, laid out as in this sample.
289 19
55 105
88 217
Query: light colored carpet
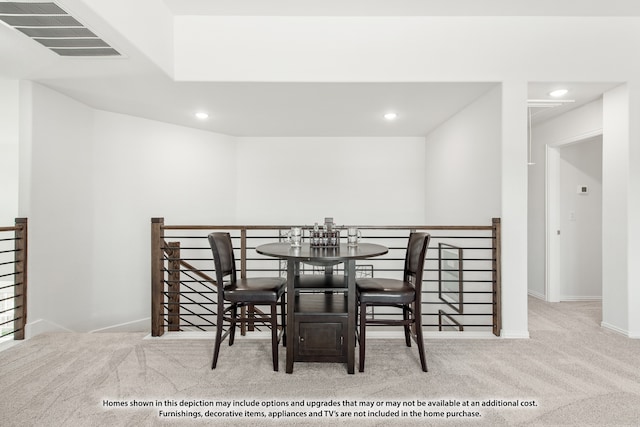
575 372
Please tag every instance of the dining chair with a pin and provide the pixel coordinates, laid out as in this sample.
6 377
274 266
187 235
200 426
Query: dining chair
403 293
234 293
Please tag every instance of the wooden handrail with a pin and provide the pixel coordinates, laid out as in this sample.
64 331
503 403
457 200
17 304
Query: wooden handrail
197 272
364 227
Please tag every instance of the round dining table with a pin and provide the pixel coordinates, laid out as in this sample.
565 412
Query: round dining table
322 256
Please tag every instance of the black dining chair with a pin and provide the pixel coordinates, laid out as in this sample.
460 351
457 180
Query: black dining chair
405 294
234 293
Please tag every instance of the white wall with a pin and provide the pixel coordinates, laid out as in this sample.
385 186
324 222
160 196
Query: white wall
96 179
9 143
633 203
577 124
615 214
402 48
58 160
354 180
462 166
513 210
144 169
581 221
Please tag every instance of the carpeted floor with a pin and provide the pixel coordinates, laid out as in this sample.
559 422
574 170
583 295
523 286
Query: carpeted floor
571 370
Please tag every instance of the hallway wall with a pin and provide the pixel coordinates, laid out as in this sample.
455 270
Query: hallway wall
581 221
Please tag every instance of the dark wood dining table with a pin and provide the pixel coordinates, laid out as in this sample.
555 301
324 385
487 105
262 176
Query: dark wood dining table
322 256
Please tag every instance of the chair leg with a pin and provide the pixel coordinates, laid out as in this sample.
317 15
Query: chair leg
274 335
417 323
420 340
363 321
407 327
234 316
216 349
283 320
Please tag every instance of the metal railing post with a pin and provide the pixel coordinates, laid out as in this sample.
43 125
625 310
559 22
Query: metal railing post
497 278
20 278
243 274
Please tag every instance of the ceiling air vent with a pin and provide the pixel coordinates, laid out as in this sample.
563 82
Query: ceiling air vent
52 27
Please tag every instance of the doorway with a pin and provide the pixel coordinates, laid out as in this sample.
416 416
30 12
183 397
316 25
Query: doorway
574 219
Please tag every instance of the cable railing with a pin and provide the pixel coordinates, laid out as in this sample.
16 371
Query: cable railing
13 280
461 281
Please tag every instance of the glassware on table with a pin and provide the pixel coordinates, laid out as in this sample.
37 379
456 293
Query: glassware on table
295 237
315 235
334 237
353 236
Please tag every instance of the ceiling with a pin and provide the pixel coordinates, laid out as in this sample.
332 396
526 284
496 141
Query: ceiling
406 7
132 84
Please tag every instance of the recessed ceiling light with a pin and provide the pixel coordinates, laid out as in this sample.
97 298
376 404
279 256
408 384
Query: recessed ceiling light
391 116
559 92
202 115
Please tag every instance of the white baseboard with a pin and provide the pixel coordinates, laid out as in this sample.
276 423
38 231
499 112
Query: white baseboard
40 326
570 298
617 329
514 334
537 295
9 342
140 325
567 298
